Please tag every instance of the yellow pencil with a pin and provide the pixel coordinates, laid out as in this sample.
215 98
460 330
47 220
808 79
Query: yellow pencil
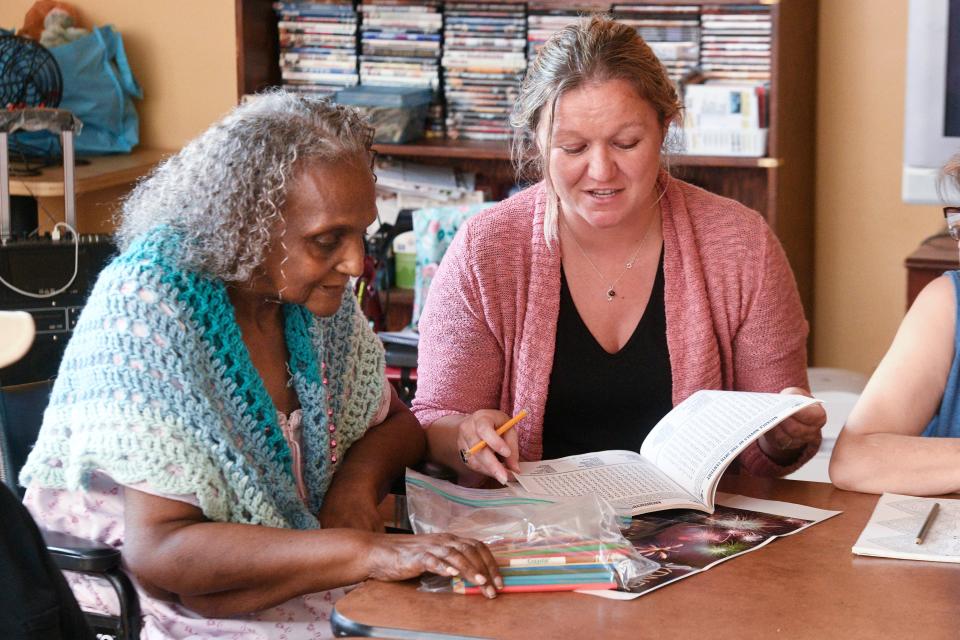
360 292
502 429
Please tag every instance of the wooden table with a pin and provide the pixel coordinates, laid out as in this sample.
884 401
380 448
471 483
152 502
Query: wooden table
97 173
100 184
808 585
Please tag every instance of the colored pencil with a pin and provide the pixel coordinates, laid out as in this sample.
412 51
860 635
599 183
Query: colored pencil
554 570
548 579
539 588
560 560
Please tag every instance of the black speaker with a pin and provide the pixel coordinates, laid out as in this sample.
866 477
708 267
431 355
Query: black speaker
42 265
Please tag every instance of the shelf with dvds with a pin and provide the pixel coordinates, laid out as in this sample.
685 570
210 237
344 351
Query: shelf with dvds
780 184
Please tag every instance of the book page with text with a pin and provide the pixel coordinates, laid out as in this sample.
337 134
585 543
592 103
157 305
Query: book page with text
623 478
697 440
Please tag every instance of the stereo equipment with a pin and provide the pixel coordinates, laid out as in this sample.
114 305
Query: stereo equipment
42 265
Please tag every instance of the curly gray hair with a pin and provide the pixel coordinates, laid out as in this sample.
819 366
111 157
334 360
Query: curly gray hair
593 49
226 189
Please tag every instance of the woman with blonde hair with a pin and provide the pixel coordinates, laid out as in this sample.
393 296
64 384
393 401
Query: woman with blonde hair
610 291
903 435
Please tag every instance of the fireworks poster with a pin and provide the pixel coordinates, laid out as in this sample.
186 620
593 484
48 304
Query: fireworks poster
685 542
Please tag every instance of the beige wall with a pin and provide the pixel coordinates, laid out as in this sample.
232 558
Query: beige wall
863 229
182 52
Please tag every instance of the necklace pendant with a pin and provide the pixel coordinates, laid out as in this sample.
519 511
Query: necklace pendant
611 294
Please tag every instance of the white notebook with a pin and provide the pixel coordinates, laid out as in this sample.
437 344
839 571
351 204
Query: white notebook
896 520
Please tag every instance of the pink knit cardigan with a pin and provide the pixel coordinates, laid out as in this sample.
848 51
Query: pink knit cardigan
488 329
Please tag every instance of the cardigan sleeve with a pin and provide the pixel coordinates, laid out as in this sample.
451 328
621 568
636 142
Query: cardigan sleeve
460 356
770 346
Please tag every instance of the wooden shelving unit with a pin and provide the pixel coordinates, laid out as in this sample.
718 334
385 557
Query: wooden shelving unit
779 186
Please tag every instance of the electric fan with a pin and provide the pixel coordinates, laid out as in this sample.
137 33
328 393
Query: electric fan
29 74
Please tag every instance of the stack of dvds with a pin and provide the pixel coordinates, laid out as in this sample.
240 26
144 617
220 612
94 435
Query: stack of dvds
318 46
400 43
483 64
735 42
672 31
400 46
544 19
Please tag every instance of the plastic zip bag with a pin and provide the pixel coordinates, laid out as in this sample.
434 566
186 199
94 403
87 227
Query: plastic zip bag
540 543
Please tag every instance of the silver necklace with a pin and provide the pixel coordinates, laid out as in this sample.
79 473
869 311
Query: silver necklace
611 289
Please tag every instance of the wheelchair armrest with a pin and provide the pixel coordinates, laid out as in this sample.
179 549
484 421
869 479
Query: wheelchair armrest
71 553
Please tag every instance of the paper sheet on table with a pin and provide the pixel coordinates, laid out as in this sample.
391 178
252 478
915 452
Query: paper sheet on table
688 542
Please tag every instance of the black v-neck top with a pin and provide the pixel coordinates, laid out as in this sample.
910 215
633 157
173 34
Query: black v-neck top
598 400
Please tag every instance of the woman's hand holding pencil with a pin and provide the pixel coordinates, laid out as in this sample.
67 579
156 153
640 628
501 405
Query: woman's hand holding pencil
488 443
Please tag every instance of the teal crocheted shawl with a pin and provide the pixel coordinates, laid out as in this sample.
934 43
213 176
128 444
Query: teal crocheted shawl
157 386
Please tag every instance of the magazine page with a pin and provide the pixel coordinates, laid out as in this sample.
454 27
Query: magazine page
896 523
697 440
685 543
628 481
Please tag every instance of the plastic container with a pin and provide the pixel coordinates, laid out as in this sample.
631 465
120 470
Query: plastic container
405 260
397 113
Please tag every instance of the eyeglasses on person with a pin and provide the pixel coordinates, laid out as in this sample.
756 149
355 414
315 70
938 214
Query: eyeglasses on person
952 216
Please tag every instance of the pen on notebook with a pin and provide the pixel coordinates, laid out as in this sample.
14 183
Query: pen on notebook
502 429
928 521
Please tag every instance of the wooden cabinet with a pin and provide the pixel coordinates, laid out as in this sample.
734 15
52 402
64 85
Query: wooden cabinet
779 186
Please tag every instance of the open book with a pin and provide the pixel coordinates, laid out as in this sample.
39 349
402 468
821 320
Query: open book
681 459
896 521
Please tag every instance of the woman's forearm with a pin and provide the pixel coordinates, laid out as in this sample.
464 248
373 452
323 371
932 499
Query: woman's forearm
248 567
442 442
878 462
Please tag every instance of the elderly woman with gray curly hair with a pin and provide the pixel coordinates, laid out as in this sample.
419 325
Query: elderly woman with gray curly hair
221 411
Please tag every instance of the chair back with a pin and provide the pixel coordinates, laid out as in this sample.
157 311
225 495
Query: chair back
21 414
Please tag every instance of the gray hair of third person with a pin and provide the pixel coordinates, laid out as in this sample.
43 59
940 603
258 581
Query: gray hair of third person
594 49
225 191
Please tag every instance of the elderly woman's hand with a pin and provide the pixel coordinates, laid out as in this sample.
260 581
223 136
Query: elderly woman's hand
399 557
501 452
785 442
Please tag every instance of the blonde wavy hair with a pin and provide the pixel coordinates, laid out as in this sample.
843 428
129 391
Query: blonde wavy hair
594 49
